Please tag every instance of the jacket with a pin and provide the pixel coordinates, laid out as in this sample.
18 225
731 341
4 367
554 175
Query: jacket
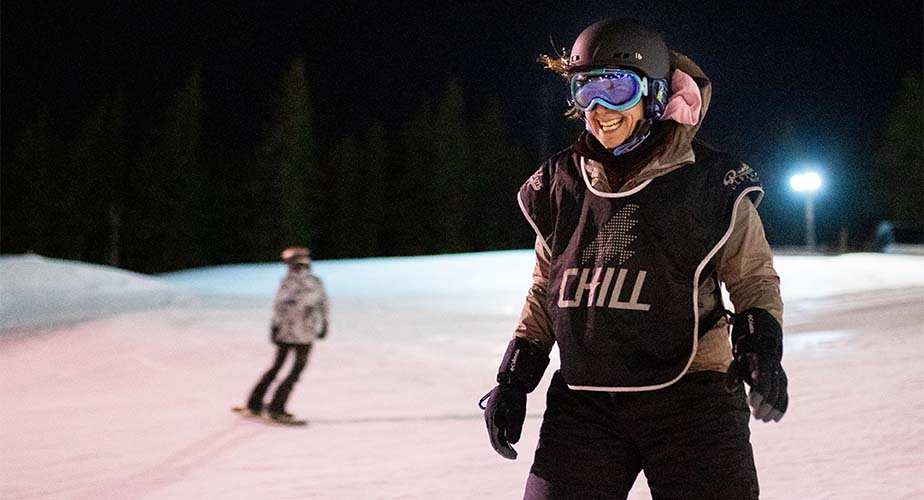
300 309
744 263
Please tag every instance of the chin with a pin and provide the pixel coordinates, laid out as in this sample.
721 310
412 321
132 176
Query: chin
609 143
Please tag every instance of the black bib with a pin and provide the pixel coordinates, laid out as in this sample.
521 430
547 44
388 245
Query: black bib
622 292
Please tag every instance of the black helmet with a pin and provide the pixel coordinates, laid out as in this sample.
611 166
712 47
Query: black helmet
624 43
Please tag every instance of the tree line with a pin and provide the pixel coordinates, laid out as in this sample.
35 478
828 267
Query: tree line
443 181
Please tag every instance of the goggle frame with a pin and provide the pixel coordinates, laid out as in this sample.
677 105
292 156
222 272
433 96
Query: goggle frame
641 83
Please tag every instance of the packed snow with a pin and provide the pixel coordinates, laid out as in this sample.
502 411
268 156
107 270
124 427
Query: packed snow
118 385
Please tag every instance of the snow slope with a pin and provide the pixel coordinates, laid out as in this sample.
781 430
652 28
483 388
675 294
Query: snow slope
35 290
132 402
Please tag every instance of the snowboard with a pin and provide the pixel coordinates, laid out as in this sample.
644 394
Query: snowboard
264 417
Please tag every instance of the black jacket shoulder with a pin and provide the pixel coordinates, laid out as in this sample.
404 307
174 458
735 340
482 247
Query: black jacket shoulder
708 153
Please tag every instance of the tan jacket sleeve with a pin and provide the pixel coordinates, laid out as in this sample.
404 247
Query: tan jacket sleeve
534 324
745 265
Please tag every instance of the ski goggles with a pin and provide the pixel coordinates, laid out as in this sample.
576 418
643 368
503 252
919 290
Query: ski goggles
616 89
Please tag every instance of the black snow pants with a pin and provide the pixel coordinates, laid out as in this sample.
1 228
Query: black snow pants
278 404
691 439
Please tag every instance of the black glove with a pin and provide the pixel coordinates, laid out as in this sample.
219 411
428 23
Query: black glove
504 415
757 339
520 372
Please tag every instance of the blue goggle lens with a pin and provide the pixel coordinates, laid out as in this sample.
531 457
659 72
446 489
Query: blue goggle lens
614 89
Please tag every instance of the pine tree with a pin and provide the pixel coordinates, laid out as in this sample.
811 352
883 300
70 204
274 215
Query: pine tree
95 166
901 156
343 227
371 193
166 223
290 153
28 190
450 174
495 221
411 208
240 227
116 159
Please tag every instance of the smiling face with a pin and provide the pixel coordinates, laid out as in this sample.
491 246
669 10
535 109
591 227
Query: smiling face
610 127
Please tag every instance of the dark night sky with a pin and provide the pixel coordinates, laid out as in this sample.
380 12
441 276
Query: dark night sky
825 70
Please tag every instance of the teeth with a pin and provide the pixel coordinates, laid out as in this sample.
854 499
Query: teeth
611 124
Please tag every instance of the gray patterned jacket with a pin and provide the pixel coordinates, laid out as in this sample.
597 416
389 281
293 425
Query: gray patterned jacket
300 309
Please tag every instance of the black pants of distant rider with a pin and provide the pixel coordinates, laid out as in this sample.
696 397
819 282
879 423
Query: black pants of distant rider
691 439
278 404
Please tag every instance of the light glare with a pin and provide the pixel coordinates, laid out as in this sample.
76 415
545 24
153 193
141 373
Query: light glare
809 181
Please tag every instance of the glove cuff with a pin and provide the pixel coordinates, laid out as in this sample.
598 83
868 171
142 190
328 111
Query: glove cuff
523 365
758 324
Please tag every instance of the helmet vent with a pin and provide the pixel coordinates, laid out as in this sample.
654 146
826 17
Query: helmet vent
626 55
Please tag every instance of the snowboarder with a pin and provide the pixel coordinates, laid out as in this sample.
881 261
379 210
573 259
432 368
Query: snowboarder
300 312
637 225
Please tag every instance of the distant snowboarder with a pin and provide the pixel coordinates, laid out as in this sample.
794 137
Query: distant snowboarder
300 313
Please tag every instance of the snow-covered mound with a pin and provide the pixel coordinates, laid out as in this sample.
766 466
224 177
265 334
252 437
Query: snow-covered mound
375 277
486 283
803 277
510 271
36 290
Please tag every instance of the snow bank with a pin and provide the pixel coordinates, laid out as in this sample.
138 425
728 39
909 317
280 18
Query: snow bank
36 291
510 271
40 291
803 277
375 277
489 283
